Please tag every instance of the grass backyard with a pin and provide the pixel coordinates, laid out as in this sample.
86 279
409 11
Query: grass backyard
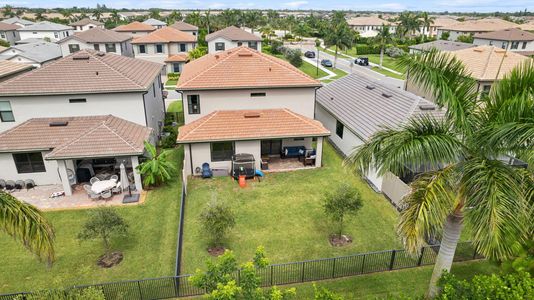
284 214
175 106
149 249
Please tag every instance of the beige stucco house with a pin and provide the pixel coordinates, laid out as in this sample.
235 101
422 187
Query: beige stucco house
232 37
99 39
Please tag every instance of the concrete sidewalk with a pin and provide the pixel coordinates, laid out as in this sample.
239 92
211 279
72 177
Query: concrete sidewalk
314 63
370 63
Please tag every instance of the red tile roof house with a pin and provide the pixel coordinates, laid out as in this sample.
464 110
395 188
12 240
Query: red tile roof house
243 101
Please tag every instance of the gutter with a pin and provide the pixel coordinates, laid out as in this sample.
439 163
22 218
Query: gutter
253 138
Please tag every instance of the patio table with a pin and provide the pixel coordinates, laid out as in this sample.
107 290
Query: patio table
103 185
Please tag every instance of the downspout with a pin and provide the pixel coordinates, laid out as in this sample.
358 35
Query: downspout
144 107
315 100
191 159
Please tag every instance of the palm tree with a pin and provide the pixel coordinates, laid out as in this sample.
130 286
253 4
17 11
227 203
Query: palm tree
39 16
67 14
115 16
158 168
194 18
408 23
25 223
338 34
426 22
97 14
383 38
464 179
268 32
154 14
207 20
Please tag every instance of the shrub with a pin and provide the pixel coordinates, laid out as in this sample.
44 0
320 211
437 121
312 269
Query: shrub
173 76
157 169
445 35
217 219
466 38
321 293
88 293
394 52
367 49
345 200
104 222
4 43
294 56
197 52
288 36
169 141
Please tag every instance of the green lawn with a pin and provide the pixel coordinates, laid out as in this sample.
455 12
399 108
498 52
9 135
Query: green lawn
388 62
409 282
284 214
388 73
306 67
175 106
171 82
149 249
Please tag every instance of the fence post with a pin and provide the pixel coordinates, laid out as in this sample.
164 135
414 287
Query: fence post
363 263
140 291
302 275
421 256
238 276
392 262
334 268
271 275
475 253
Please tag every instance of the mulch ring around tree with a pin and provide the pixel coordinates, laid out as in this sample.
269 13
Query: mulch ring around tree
216 251
337 240
110 260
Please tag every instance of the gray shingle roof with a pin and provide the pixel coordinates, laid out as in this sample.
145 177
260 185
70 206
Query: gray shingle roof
442 46
39 52
154 22
85 21
359 103
98 35
45 26
17 20
233 33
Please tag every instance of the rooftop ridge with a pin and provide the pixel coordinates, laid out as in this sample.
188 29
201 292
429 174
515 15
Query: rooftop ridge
111 68
211 115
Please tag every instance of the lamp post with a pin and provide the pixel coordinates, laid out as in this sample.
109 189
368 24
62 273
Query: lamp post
317 45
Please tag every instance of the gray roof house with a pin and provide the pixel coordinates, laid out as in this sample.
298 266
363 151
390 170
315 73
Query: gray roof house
156 23
45 30
36 54
18 21
441 45
355 107
97 39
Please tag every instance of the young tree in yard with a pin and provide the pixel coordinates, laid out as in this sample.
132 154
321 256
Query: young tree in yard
383 38
26 224
465 180
338 34
197 52
465 38
157 169
294 56
344 201
426 22
217 219
104 223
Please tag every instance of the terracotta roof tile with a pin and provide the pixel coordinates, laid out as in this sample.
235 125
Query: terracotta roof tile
250 124
177 58
184 26
165 35
241 67
90 136
482 25
85 21
8 27
8 67
233 33
512 34
134 26
371 21
86 71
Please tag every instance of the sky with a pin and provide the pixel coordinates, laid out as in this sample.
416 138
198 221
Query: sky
382 5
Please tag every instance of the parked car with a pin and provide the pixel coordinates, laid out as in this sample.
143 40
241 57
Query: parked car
326 63
362 61
309 54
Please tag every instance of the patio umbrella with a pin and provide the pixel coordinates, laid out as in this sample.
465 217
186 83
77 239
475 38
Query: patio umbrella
124 178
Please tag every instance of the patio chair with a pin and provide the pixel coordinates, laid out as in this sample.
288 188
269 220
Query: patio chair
19 185
10 185
30 184
90 192
114 177
117 189
2 184
106 194
93 180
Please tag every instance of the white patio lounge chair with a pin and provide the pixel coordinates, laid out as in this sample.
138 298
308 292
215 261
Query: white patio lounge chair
117 189
90 192
93 180
106 194
114 177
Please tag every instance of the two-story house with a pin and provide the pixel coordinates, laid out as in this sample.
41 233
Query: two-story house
155 23
185 27
35 54
9 33
86 24
370 26
18 21
232 37
86 83
98 39
512 39
243 101
472 27
135 29
166 45
45 30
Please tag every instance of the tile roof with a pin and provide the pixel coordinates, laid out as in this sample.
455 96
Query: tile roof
183 26
165 35
442 46
512 34
90 136
85 21
233 33
481 25
45 26
371 21
154 22
441 22
484 61
98 35
177 58
8 27
241 67
134 26
9 68
17 20
86 72
527 26
249 125
39 52
364 110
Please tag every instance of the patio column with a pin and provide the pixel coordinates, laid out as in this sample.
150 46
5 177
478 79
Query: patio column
137 176
62 165
319 152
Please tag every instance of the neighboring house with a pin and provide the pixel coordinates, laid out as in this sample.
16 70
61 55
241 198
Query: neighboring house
155 23
29 41
440 45
86 24
437 23
355 107
185 27
166 45
513 39
18 21
244 101
9 69
473 27
370 26
35 54
232 37
9 33
86 83
135 29
45 29
486 64
98 39
54 150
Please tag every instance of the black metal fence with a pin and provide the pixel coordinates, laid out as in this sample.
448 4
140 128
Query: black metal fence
180 231
281 274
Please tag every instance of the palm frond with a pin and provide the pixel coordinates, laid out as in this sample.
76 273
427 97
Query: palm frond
424 143
26 223
496 206
427 207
